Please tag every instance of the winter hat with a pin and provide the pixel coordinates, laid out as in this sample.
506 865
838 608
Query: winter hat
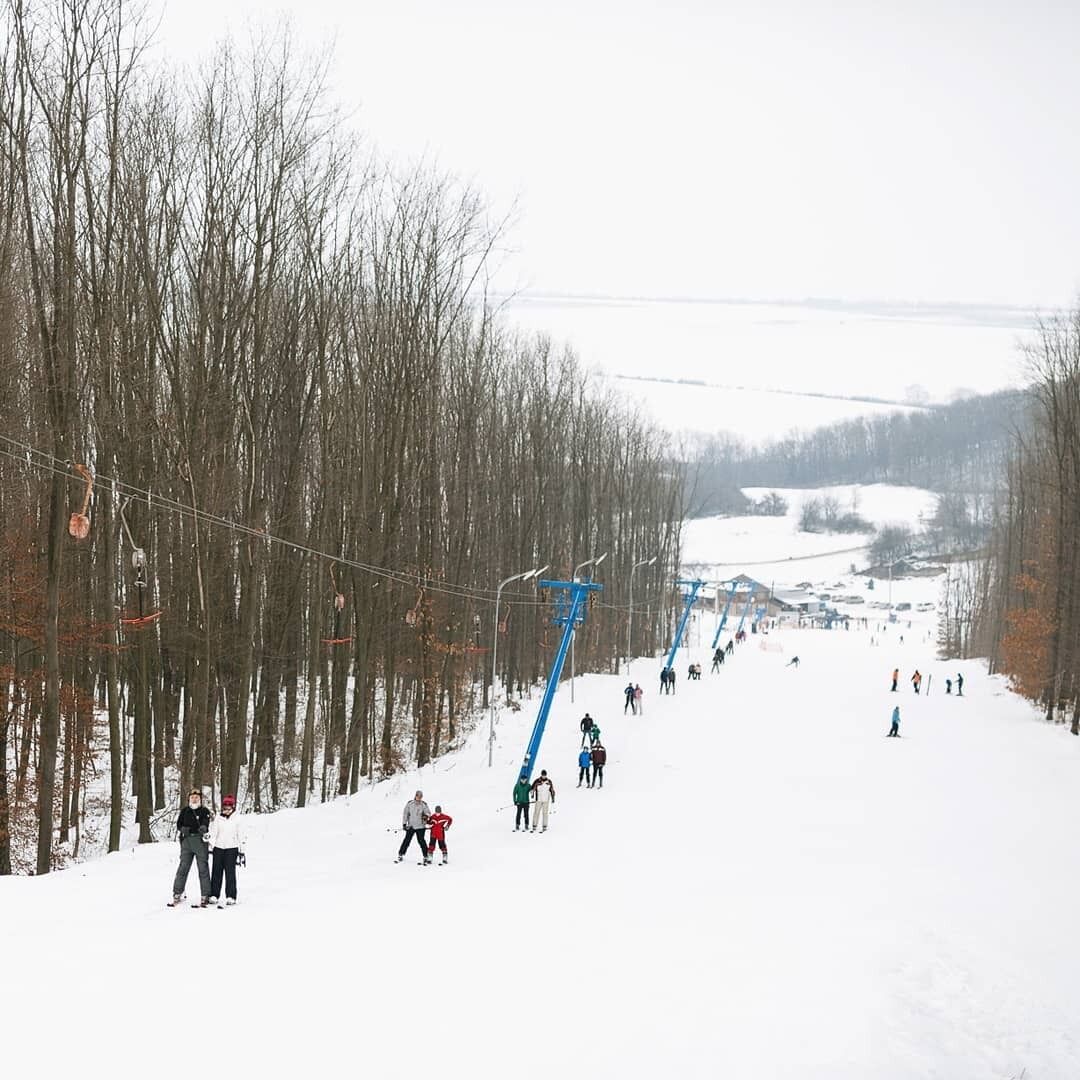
438 809
229 800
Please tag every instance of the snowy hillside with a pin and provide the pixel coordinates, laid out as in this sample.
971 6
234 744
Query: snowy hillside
722 546
765 887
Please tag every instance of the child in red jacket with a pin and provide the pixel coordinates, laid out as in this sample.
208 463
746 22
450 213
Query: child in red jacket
439 823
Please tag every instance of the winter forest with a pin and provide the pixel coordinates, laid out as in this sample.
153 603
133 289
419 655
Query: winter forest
266 448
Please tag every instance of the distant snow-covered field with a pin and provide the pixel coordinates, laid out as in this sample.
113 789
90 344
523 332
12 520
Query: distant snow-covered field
775 549
744 350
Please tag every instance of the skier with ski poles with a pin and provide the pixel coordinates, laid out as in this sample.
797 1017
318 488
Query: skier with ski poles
192 827
226 845
414 819
628 693
439 822
599 760
586 726
543 791
521 802
594 735
959 685
584 761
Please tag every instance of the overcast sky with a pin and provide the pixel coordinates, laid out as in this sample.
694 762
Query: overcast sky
863 150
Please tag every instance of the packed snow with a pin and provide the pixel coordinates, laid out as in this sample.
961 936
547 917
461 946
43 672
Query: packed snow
764 887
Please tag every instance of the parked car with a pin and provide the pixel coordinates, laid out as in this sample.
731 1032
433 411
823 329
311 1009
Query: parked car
824 597
855 600
903 607
924 607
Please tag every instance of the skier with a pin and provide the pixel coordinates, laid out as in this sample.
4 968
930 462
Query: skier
192 826
543 791
895 678
439 822
226 842
894 731
663 680
916 680
521 801
959 685
793 662
718 658
586 726
414 819
599 760
671 680
594 735
948 686
639 696
584 760
730 650
629 695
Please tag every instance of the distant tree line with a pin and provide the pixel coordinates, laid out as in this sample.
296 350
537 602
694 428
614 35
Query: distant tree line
264 451
961 447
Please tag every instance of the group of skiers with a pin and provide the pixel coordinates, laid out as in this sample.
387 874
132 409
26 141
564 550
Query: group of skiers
633 695
667 680
540 795
591 764
693 672
916 682
204 837
416 819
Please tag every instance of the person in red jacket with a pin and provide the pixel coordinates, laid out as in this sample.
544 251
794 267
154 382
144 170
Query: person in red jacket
439 823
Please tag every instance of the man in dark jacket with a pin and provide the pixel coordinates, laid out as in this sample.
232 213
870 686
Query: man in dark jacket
586 727
522 793
599 760
628 693
192 827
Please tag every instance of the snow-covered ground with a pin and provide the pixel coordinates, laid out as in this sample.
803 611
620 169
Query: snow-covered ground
765 887
773 549
755 416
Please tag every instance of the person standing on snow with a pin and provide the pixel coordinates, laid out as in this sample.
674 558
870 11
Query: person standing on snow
663 680
522 792
629 703
959 685
730 650
916 680
599 760
226 842
439 822
414 819
894 731
584 761
594 735
895 678
543 791
192 827
639 696
586 727
793 662
948 686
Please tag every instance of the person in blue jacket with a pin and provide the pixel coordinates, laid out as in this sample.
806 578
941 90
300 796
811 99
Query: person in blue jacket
584 761
895 729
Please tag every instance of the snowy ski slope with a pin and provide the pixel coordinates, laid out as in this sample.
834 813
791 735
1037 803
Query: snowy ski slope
766 887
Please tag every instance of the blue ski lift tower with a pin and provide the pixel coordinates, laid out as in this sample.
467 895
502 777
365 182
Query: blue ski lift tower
569 613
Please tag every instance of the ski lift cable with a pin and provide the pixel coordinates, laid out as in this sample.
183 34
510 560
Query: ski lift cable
52 464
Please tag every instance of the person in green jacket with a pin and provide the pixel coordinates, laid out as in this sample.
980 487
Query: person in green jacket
521 801
594 735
